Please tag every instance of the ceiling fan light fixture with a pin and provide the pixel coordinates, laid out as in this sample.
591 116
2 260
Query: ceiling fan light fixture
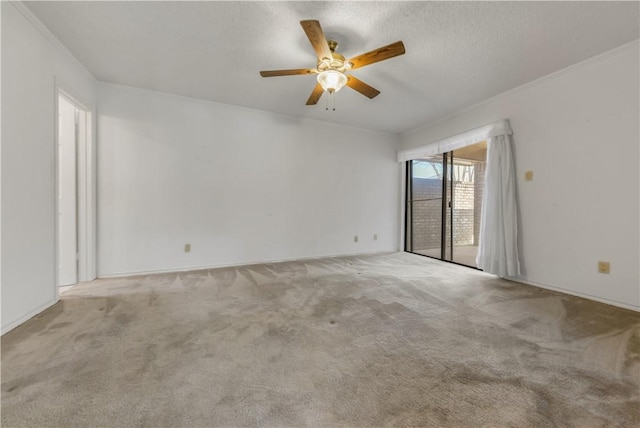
332 80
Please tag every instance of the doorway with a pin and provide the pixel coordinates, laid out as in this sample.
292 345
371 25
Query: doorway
74 194
444 203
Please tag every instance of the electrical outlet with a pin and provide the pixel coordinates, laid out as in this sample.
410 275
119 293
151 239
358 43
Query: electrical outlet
187 248
603 267
375 237
355 238
528 176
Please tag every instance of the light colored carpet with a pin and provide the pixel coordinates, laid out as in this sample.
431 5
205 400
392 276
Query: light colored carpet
381 340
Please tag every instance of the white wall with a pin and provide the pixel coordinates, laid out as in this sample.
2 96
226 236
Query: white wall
31 65
239 185
579 131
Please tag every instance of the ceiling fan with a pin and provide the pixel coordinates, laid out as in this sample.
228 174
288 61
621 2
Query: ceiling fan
332 67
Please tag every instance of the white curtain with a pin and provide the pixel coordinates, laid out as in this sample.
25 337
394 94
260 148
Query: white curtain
498 246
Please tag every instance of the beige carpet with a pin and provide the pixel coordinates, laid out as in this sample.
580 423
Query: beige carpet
384 340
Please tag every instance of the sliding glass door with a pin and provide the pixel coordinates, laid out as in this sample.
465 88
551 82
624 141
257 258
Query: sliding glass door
444 201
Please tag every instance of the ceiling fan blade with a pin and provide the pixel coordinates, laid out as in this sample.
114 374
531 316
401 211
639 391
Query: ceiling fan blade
358 85
292 72
315 95
380 54
316 37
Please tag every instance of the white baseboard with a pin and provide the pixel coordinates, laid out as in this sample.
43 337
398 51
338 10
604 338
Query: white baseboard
241 264
16 323
577 294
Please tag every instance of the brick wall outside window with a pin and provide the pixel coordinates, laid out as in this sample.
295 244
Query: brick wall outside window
427 210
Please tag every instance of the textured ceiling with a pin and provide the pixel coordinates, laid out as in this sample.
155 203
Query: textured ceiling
457 53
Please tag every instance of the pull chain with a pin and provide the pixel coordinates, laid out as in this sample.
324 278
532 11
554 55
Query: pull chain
333 101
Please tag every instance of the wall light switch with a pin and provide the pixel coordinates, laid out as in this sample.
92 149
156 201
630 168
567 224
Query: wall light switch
603 267
187 248
355 238
528 176
375 237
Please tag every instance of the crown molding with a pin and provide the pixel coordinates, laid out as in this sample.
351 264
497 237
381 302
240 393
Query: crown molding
26 12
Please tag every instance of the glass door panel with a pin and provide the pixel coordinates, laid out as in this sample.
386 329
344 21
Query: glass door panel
467 176
444 201
425 207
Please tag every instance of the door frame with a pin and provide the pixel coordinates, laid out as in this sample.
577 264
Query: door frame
85 188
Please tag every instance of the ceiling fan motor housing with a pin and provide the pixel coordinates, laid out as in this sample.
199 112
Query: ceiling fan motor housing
338 62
